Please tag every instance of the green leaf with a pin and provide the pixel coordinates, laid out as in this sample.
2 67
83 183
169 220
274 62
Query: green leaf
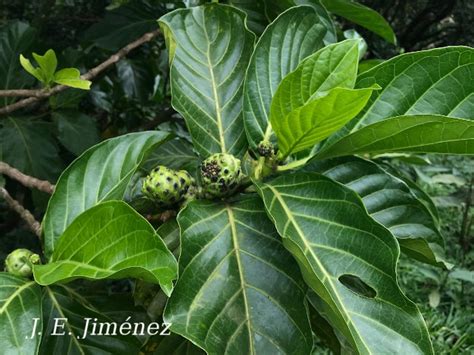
36 72
331 67
368 64
349 260
392 203
110 240
28 145
363 16
437 81
239 290
174 344
136 79
47 63
462 274
414 134
20 303
124 25
307 125
293 36
255 10
212 48
77 131
176 154
61 302
15 38
71 77
102 173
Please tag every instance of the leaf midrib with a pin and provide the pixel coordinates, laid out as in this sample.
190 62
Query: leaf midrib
60 311
14 295
321 267
235 241
214 87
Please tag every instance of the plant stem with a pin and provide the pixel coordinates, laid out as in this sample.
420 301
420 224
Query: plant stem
37 95
293 165
26 180
26 215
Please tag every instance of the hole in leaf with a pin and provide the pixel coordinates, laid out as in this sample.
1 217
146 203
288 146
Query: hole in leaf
355 284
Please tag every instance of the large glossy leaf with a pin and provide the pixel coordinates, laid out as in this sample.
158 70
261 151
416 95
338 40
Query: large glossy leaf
210 48
239 291
176 154
331 67
102 173
438 81
349 260
256 17
20 303
29 146
363 16
110 240
420 133
15 38
123 25
76 131
307 125
293 36
391 202
136 79
174 344
61 302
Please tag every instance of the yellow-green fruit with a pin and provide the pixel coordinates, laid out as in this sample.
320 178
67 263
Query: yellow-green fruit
163 186
221 174
20 262
186 181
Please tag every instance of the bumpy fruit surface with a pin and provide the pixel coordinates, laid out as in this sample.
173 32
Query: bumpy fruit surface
221 174
265 149
163 185
20 262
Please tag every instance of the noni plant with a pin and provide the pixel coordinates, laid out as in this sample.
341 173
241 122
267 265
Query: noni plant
287 227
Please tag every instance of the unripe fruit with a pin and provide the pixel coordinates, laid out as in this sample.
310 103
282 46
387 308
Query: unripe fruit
163 186
20 262
265 149
221 174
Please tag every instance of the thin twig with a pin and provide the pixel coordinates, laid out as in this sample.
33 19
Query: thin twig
37 95
26 215
24 93
26 180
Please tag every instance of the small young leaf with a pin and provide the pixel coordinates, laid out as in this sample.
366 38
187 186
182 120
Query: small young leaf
307 125
71 77
110 240
331 67
294 35
48 63
36 72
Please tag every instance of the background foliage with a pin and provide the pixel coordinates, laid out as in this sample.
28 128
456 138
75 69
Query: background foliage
134 95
